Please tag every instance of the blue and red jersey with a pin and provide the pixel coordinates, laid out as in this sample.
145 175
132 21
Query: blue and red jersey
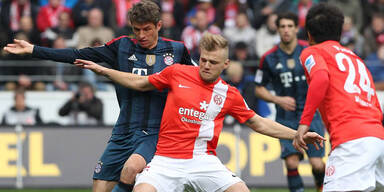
138 110
286 75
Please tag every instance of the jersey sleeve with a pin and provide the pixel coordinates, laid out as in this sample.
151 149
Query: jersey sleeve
162 79
262 76
106 53
239 109
315 95
312 61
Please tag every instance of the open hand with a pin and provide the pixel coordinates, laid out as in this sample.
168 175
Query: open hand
85 64
303 137
19 47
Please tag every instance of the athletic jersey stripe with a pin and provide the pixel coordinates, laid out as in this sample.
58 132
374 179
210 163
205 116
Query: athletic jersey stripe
207 128
275 48
147 105
115 39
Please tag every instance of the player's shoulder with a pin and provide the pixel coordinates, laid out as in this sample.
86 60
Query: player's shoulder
124 39
172 42
302 43
268 54
182 67
271 51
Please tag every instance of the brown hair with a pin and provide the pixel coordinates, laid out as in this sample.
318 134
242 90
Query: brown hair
145 11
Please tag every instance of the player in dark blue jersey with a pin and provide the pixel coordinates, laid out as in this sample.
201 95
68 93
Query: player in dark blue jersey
281 67
134 136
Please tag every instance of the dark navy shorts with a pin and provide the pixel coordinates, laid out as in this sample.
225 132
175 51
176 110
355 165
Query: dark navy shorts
287 148
119 148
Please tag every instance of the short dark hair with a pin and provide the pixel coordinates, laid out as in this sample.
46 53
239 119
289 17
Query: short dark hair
324 22
85 84
287 15
145 11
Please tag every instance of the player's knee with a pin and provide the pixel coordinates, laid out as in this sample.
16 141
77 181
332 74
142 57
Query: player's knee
317 165
292 162
131 169
129 172
238 187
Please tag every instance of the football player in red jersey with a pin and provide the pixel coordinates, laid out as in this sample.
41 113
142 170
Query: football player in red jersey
341 87
197 102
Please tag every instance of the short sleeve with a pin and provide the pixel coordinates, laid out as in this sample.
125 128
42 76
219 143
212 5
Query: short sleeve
239 109
262 76
162 79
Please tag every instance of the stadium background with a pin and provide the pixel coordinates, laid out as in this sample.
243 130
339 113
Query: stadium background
58 155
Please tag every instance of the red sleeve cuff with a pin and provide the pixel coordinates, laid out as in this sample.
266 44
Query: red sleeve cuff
152 80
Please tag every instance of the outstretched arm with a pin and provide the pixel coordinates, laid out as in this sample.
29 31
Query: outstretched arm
130 80
271 128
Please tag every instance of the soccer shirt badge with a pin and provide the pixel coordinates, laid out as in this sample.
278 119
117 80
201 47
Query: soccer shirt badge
98 167
150 59
291 63
168 58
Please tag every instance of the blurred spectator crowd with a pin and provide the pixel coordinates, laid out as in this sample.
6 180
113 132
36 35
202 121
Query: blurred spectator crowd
249 26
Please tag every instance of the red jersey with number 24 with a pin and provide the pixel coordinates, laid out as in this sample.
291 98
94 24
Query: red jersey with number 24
194 112
350 109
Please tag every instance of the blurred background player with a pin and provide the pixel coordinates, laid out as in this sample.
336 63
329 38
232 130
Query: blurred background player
342 88
281 67
191 125
134 137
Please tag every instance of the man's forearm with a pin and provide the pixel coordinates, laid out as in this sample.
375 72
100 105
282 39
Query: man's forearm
271 128
263 93
129 80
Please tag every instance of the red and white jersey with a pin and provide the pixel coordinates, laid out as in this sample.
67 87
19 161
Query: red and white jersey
194 112
350 109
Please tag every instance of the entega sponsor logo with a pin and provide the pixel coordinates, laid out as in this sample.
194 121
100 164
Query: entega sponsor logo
192 113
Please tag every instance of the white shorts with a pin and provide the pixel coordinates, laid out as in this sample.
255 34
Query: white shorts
355 166
202 173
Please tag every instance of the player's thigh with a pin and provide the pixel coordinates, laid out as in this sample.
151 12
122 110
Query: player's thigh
287 149
317 163
135 163
238 187
351 166
316 126
292 161
118 149
103 186
207 173
144 149
164 174
145 145
380 170
144 187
